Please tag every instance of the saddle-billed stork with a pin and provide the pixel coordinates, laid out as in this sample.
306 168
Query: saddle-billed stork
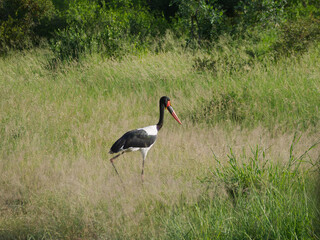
142 139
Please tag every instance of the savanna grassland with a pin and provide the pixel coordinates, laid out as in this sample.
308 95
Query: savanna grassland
243 165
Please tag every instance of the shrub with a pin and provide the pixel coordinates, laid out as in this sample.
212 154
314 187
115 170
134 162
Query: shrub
77 37
297 35
250 197
19 19
221 107
201 19
98 27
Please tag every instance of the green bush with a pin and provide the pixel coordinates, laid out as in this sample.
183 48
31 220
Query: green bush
297 35
117 27
262 13
229 106
250 197
78 36
201 20
19 19
94 27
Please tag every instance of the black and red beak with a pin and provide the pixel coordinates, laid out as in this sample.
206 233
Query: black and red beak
172 112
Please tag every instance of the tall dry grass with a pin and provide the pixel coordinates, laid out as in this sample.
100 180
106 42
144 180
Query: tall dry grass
58 125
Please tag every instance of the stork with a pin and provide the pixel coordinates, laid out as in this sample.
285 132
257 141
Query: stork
142 139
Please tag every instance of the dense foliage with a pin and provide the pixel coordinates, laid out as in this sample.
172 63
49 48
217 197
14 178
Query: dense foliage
118 26
21 22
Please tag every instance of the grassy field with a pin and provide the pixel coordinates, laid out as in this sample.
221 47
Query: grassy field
244 164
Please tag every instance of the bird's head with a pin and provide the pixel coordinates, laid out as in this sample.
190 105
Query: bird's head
165 101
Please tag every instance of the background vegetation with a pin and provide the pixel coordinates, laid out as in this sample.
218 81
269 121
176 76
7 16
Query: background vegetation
243 76
114 28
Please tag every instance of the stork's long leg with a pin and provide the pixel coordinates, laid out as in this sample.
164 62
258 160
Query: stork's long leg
142 169
144 155
115 168
111 160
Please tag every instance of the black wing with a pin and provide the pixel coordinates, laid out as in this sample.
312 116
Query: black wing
135 138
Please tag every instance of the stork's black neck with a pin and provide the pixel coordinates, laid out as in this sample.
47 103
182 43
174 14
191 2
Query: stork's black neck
160 123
